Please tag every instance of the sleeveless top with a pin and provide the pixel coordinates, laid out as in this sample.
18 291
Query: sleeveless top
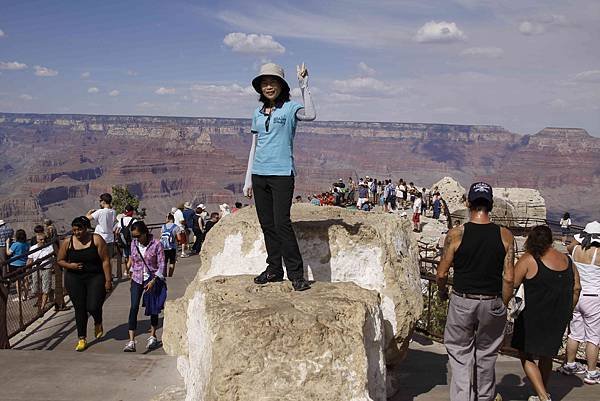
589 275
479 260
92 263
540 327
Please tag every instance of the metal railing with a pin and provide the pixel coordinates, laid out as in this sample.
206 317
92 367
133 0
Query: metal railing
21 290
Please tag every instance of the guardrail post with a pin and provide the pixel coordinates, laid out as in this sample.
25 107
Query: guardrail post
4 343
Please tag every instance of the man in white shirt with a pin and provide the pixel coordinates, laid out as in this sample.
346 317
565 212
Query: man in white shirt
105 219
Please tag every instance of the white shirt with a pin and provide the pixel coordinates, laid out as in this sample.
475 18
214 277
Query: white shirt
142 249
126 221
41 254
106 220
179 218
417 205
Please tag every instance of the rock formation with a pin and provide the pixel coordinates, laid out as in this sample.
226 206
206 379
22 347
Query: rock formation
509 203
246 342
343 251
375 251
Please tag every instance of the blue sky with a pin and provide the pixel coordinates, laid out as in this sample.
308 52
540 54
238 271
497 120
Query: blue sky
520 64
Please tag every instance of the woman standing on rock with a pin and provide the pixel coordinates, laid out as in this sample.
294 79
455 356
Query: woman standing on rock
271 170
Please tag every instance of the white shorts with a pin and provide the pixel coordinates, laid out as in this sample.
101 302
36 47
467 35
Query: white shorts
361 201
585 325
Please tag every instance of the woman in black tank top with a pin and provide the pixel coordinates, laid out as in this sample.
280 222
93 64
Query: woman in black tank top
84 256
551 292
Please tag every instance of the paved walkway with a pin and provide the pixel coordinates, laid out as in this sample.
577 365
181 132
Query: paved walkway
425 377
103 372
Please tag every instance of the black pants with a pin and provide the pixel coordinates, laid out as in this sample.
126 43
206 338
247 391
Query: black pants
198 242
87 293
137 290
273 199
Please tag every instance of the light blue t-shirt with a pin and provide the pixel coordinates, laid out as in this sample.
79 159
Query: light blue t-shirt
18 249
275 146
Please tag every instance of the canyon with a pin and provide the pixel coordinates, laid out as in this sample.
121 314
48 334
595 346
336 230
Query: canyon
55 166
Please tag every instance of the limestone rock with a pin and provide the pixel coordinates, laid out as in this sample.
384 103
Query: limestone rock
525 202
452 192
376 251
248 343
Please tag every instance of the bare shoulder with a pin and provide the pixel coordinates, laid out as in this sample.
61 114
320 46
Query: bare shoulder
98 240
506 234
454 236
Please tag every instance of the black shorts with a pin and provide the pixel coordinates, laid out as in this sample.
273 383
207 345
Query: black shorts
171 256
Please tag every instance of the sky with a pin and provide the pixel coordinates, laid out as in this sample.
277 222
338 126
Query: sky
523 65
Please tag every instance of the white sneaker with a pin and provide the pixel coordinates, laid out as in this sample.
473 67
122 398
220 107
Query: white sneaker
152 343
592 378
574 368
130 347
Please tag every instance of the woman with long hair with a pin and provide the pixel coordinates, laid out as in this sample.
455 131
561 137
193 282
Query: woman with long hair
585 326
271 170
84 256
147 267
551 292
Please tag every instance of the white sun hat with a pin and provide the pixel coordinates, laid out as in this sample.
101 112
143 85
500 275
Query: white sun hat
590 234
270 70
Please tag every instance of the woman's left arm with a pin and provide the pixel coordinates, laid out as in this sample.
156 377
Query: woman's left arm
308 112
105 257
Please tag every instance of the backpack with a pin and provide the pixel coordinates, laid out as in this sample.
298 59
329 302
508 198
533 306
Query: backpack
391 191
167 238
125 233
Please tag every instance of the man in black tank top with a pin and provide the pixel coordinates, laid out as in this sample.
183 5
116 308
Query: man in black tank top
482 256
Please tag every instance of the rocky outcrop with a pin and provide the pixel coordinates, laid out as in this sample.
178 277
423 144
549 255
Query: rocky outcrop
246 342
525 203
373 250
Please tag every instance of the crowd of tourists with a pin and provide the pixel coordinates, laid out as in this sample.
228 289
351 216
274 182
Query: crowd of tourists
392 197
86 256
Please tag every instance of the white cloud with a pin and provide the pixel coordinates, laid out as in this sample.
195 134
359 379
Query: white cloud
165 91
93 89
113 93
86 74
558 104
365 69
145 105
232 89
588 76
364 87
12 65
252 43
2 34
25 96
44 71
483 52
531 28
132 73
439 32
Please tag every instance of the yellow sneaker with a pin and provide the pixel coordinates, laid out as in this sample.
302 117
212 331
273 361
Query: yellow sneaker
98 331
81 345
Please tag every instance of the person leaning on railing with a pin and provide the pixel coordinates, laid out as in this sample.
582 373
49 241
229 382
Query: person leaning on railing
84 256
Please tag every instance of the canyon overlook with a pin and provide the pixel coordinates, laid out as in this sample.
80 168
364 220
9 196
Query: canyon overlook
56 165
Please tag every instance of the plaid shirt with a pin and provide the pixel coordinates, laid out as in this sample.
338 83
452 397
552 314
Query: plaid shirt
5 233
154 257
